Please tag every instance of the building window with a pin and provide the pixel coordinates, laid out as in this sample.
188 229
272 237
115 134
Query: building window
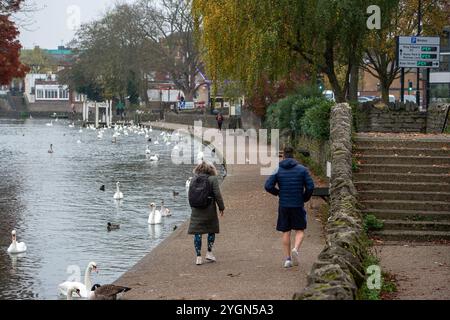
63 94
51 94
39 94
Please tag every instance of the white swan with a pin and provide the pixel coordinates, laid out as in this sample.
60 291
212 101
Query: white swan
118 195
49 124
16 247
188 184
78 141
155 215
72 125
200 157
85 289
80 131
165 212
147 151
154 158
73 290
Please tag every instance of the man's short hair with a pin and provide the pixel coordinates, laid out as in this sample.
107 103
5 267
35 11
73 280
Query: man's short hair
288 152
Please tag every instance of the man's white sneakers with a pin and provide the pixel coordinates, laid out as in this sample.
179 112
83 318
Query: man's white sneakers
199 261
210 257
295 257
288 263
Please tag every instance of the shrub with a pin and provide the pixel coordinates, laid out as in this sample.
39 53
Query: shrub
372 223
316 120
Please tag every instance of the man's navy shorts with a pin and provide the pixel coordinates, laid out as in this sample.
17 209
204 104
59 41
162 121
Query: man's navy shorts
291 219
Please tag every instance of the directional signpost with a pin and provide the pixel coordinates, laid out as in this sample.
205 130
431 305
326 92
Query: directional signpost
418 52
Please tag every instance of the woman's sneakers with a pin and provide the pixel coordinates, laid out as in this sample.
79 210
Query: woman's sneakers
210 257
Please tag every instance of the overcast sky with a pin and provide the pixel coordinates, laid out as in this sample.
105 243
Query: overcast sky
54 23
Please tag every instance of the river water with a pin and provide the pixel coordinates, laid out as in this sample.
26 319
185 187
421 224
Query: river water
55 203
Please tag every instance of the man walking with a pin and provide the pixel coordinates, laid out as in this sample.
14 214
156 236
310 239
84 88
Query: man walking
295 187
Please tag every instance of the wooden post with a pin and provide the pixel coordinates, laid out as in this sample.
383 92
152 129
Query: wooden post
96 115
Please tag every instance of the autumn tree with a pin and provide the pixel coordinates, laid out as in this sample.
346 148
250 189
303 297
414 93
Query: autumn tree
249 39
399 18
37 60
10 65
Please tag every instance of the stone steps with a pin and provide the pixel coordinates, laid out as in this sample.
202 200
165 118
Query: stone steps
402 168
411 160
405 196
405 181
414 215
402 186
417 143
416 225
417 152
407 205
402 177
412 235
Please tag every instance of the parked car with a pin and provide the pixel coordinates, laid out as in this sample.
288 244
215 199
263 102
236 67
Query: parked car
410 98
363 99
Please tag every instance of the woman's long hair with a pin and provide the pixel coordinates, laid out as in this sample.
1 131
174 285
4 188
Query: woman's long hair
205 168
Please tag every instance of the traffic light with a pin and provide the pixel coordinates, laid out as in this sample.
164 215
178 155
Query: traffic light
410 86
320 85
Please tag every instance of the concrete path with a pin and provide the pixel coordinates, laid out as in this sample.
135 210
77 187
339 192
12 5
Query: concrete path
248 250
422 271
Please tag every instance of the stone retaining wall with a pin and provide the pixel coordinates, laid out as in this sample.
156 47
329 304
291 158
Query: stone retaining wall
339 272
319 150
400 117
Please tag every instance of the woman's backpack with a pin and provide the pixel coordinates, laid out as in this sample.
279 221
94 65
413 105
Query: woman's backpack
200 192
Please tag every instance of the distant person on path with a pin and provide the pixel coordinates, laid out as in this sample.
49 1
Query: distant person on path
219 119
295 188
204 195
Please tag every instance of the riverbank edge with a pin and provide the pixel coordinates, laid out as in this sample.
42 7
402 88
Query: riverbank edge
180 229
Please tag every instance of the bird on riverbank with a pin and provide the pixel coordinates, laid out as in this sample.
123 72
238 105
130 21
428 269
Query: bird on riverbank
16 247
118 195
107 292
51 149
111 226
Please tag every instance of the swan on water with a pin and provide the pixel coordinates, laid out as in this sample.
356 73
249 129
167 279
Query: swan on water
51 149
155 215
188 184
16 247
107 292
73 290
72 125
165 212
118 195
84 288
80 131
49 124
147 151
154 157
78 141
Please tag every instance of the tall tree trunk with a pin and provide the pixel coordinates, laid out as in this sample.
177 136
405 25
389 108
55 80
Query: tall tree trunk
354 80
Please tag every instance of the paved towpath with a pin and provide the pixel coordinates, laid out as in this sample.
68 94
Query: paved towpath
248 250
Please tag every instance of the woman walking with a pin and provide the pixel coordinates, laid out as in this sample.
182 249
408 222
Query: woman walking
204 198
